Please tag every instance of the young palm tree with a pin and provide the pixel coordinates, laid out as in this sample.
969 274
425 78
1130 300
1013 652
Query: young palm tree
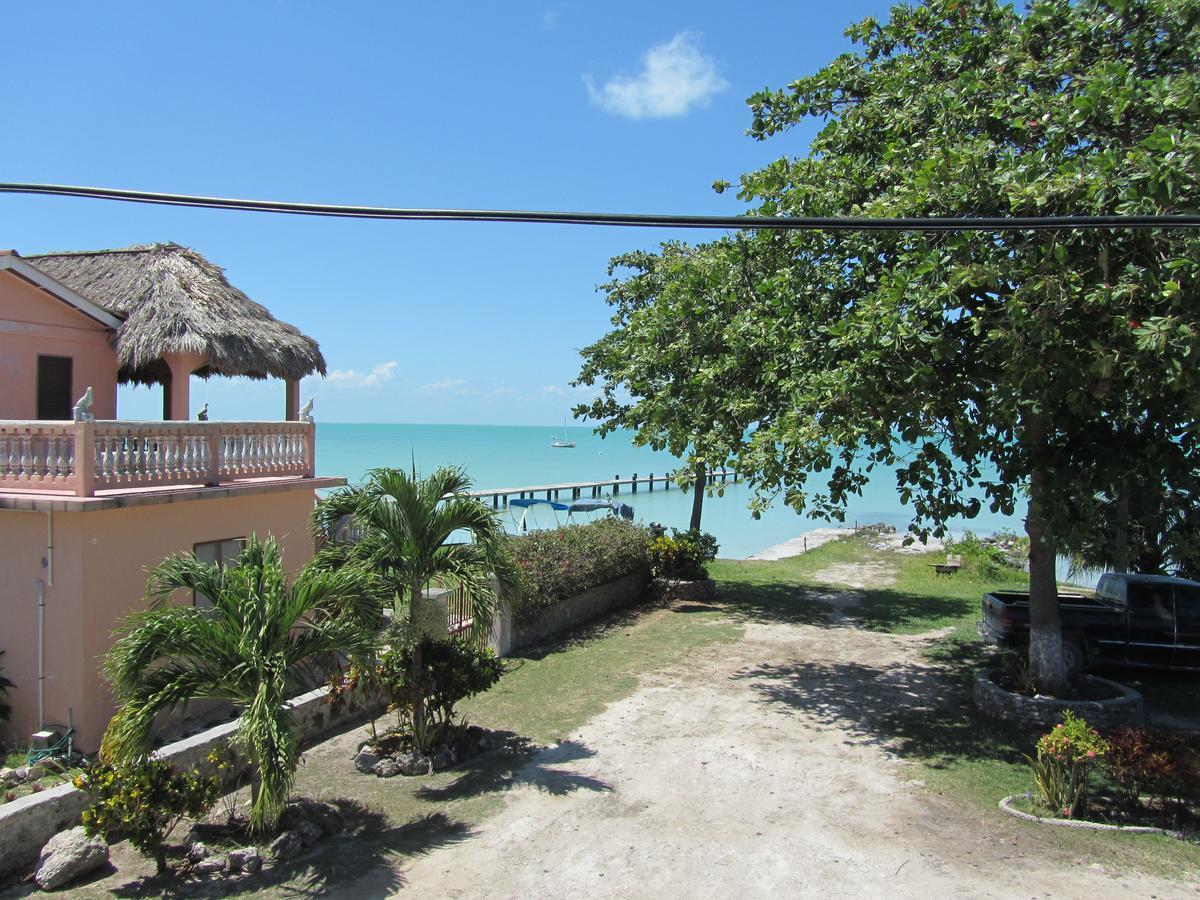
252 647
401 526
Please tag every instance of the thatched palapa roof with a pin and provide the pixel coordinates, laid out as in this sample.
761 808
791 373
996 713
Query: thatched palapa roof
173 300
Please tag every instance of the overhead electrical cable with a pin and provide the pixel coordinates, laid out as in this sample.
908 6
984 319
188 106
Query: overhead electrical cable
625 220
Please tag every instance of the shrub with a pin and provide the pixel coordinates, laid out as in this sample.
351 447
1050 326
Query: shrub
984 555
1065 758
1141 761
561 563
682 555
5 687
144 801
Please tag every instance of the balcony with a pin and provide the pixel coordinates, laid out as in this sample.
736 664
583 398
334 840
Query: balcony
90 459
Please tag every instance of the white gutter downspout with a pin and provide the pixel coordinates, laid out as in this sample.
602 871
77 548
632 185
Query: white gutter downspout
49 548
41 655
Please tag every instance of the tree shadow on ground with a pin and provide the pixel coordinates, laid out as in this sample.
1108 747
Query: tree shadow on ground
523 763
363 859
914 711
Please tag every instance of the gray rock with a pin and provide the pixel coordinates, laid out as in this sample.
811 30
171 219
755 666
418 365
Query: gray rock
245 859
444 758
414 764
198 850
387 768
68 855
365 761
20 774
33 773
286 846
210 866
310 833
325 815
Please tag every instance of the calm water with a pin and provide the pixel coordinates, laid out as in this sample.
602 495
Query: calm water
500 456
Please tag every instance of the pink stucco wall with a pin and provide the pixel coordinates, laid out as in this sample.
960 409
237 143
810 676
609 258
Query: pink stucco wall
32 323
100 563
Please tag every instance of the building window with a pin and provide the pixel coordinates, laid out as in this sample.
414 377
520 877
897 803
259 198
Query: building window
220 552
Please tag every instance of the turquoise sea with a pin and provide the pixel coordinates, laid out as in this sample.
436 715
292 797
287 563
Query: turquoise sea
504 456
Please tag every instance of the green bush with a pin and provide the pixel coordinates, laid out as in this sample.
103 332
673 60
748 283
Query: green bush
682 555
1066 756
144 801
1163 764
561 563
5 687
985 557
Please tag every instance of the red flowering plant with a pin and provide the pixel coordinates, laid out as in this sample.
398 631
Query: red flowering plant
1066 756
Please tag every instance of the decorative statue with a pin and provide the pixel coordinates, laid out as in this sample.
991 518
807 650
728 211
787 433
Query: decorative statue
83 409
202 416
306 411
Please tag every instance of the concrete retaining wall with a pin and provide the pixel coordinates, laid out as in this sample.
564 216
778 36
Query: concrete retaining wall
509 636
1126 708
27 823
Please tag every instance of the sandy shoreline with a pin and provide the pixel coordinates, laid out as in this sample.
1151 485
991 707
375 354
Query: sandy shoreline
810 540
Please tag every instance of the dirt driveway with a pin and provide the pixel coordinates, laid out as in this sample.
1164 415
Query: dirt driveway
757 770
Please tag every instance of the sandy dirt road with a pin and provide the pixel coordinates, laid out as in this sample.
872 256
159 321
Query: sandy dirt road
757 770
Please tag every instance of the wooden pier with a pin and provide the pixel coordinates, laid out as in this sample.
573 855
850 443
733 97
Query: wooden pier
594 489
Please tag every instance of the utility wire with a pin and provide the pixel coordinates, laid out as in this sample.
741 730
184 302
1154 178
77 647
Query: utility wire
626 220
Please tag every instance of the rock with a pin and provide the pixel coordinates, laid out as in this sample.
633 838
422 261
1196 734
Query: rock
33 773
286 846
198 851
20 774
414 764
245 859
310 833
210 866
325 815
68 855
444 758
365 761
475 732
387 768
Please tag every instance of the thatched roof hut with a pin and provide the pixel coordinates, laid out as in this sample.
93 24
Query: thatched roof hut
173 300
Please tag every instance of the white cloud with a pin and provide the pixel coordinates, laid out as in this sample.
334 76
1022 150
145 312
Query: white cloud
550 19
675 77
349 378
553 389
446 384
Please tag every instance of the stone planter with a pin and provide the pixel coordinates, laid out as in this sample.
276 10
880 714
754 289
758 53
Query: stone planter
1125 707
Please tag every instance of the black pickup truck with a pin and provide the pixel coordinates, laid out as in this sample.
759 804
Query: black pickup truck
1134 620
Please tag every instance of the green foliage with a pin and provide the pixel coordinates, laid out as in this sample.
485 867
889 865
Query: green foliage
256 647
561 563
5 687
399 526
1164 764
1066 756
986 557
682 555
143 801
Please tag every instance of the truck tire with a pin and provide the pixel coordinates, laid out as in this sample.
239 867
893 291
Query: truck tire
1074 656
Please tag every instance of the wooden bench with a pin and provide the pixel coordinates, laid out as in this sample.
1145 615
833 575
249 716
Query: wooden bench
952 564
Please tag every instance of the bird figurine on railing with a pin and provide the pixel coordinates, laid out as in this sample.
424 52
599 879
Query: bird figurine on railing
202 416
83 409
306 411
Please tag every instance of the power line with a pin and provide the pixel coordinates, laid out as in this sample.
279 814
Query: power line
625 220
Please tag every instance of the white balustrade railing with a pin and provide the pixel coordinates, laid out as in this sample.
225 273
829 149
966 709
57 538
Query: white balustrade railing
85 457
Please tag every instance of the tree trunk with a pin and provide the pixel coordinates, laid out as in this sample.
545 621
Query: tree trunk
698 490
1046 662
160 858
1120 548
417 669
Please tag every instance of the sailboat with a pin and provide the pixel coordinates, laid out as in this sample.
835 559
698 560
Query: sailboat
562 441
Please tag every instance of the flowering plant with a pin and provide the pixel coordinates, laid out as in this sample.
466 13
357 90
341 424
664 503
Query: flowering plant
1066 756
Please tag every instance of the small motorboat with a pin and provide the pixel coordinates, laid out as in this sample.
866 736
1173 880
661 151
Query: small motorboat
587 507
529 503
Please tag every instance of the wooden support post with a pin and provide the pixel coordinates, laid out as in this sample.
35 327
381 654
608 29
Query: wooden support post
635 482
616 484
652 482
495 501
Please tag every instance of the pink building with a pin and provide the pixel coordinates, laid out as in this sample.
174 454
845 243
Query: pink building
89 502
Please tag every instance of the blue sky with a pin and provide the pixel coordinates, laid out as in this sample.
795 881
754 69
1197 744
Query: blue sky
623 107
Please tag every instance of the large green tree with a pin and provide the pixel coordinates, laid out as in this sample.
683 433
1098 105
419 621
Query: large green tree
1018 363
256 645
414 532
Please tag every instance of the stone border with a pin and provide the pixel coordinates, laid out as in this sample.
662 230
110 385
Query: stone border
1046 712
667 590
1006 806
28 822
509 635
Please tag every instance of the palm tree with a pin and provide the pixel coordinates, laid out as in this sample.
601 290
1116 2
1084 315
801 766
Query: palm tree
400 526
253 647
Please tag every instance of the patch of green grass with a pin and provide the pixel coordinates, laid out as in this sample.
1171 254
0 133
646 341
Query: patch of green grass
547 693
